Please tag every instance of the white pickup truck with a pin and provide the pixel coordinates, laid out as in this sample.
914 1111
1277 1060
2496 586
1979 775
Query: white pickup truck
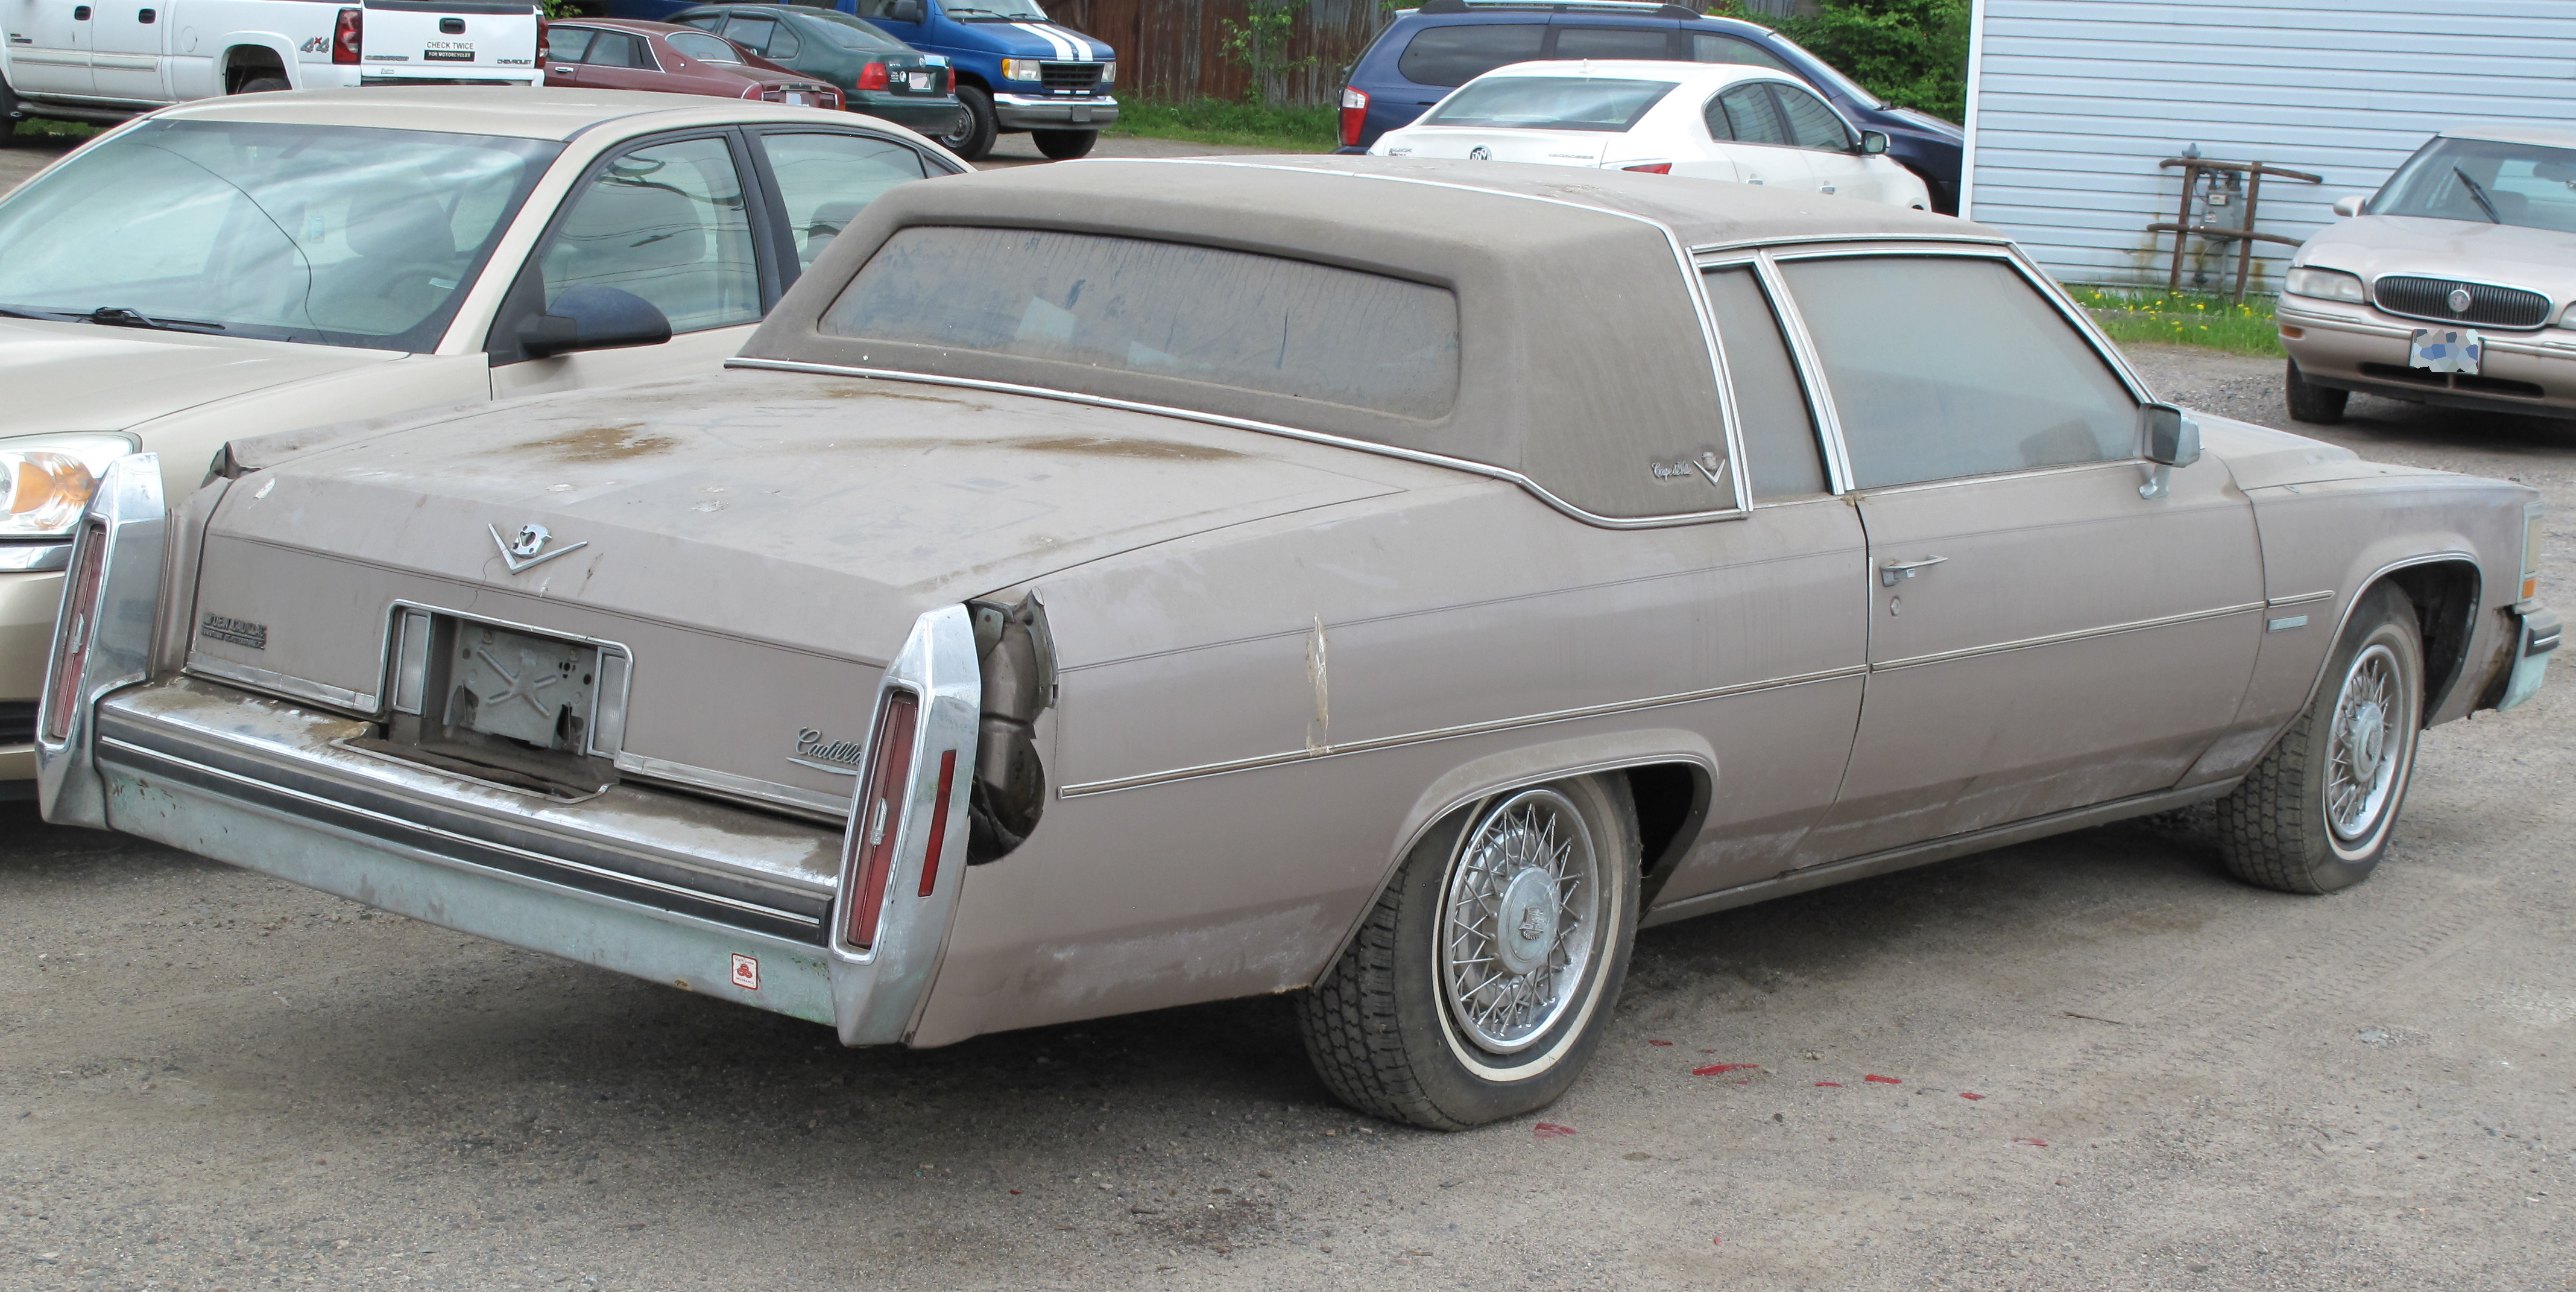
106 60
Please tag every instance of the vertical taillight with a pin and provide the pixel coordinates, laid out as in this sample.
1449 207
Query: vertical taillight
938 822
872 77
347 35
2531 538
878 822
1354 115
79 627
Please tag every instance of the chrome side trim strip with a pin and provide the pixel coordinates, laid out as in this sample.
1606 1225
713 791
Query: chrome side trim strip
2301 599
1811 372
1247 424
2080 634
276 683
822 806
1446 733
1976 239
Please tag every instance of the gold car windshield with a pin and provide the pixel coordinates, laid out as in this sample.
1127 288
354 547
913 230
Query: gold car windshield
2486 181
326 235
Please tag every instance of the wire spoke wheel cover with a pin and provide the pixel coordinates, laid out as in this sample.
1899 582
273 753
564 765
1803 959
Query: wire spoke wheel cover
2364 745
1520 922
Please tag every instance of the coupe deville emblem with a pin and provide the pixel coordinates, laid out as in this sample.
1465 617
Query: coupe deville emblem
2459 300
824 754
1480 153
1708 465
530 549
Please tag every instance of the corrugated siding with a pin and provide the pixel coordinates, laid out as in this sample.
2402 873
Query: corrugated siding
2075 101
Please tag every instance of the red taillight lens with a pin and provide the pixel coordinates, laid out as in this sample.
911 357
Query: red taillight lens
938 822
348 35
879 819
1652 168
80 626
952 79
1354 116
872 77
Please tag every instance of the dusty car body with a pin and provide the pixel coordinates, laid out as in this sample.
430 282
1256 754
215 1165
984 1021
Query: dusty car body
420 232
2472 239
1106 587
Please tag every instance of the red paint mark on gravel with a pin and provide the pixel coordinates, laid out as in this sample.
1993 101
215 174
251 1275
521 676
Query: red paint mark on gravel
1717 1069
2034 1143
1015 1193
1717 1242
1830 1085
1658 1042
1550 1130
1884 1081
1971 1095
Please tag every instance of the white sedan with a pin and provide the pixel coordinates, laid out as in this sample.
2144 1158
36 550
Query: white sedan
1727 122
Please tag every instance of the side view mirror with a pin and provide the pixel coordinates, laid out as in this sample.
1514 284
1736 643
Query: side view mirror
2350 205
904 11
590 317
2168 438
1872 143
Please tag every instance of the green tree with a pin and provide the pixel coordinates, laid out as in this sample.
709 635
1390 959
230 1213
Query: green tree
1912 53
1259 45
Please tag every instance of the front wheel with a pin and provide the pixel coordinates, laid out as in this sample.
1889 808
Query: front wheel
1064 145
976 127
1482 981
2312 403
2315 814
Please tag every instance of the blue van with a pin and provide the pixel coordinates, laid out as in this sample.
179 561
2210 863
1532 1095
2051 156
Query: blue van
1017 70
1427 52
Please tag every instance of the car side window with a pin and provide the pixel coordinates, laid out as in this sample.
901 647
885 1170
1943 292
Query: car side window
754 34
1949 366
702 47
1613 42
1732 49
1811 124
617 49
666 222
1770 405
1455 55
565 44
825 180
1749 117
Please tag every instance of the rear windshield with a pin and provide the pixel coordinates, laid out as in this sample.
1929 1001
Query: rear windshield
1459 54
1550 103
1229 318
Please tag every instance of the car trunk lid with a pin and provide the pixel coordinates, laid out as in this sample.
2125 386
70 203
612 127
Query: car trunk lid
1547 147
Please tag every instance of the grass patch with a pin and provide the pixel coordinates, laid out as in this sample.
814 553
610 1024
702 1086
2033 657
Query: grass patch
2185 318
69 131
1310 129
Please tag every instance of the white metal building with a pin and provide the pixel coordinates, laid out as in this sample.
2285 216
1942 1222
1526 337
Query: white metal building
2071 103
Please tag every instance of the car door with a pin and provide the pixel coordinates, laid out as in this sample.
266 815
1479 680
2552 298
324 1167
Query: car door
565 45
2041 637
125 51
49 44
1745 129
1833 159
670 219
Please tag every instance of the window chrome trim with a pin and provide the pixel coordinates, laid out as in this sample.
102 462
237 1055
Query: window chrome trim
1857 240
1258 761
1248 424
1811 373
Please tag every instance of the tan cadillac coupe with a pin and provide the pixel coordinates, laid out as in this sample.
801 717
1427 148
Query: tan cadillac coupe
1133 583
2454 285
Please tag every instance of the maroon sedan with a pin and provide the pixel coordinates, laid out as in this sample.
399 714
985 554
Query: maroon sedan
629 54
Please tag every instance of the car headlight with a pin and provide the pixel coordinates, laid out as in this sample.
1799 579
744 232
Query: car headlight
46 481
1021 69
2326 284
1109 72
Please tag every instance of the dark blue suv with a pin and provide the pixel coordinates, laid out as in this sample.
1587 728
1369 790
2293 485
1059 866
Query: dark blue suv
1430 51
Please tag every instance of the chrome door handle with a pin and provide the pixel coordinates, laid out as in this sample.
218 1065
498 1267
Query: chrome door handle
1890 573
1826 189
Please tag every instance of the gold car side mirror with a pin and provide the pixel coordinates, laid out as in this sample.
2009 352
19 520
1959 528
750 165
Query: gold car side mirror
2167 438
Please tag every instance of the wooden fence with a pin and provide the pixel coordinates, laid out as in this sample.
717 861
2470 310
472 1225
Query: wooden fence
1173 49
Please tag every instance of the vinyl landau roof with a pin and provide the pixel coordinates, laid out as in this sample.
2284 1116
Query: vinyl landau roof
1584 355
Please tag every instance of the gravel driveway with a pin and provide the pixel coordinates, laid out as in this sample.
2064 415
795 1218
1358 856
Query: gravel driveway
2084 1063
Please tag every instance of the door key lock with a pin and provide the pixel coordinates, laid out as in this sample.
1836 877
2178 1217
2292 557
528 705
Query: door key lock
1890 573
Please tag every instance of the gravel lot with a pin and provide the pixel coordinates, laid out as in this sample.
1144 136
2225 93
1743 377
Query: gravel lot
2089 1062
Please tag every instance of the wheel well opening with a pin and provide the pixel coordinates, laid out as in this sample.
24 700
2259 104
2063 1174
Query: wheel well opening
247 62
2446 604
965 77
1672 799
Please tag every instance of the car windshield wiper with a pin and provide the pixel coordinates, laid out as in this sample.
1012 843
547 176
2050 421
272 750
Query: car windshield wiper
31 312
2480 194
119 316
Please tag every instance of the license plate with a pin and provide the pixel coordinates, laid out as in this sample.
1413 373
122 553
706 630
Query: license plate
1081 115
797 100
2445 350
919 81
523 687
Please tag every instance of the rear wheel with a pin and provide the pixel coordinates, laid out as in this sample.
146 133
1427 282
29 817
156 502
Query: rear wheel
1064 145
2318 405
1482 981
976 128
263 85
2315 814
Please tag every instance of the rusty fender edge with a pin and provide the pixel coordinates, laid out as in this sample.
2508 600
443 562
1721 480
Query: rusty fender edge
214 813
